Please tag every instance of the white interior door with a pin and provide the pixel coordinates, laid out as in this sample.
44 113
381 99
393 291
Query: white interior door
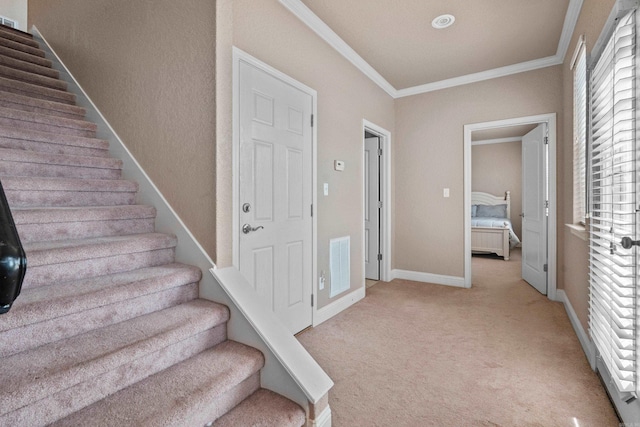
534 221
372 208
275 245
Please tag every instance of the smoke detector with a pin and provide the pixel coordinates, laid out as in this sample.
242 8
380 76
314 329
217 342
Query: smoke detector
443 21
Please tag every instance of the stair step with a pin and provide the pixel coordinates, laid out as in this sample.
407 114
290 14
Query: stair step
197 391
18 36
40 106
31 163
264 408
30 67
49 313
46 224
51 381
46 123
36 91
59 192
47 142
37 79
23 56
21 47
12 30
62 260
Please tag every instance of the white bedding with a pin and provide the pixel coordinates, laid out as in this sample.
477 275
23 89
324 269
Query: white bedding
497 223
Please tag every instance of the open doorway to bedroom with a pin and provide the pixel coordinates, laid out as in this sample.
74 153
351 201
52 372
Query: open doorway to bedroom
510 199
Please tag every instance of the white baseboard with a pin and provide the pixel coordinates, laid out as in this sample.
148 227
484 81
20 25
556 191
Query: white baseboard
437 279
323 420
587 345
326 313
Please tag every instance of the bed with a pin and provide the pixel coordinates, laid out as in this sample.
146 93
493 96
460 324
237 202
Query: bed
491 228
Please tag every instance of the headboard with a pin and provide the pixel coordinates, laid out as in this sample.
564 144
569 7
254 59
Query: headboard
480 198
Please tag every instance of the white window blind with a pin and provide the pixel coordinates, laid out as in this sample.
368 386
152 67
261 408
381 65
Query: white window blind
580 136
612 305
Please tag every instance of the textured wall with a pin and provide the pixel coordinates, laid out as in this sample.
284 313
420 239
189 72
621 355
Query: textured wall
16 10
149 67
573 266
497 168
266 30
429 234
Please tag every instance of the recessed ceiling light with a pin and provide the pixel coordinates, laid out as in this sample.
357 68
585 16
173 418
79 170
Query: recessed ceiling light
443 21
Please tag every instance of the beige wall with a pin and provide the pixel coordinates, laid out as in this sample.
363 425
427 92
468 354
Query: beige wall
345 97
149 67
429 234
497 168
574 252
16 10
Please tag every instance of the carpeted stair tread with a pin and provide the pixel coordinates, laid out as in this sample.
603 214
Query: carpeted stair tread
35 51
191 393
12 155
49 302
41 106
60 251
47 123
18 36
35 374
30 67
6 28
264 408
30 89
23 56
29 77
44 224
63 260
12 137
68 184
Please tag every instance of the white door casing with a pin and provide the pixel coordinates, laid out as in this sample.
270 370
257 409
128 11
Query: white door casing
534 221
372 207
275 193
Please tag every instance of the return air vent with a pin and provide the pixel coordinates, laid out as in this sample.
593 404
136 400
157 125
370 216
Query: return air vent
8 22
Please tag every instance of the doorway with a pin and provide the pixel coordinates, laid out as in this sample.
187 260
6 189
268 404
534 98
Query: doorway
376 207
274 176
542 176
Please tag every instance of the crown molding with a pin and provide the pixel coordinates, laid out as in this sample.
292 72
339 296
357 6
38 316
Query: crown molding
306 15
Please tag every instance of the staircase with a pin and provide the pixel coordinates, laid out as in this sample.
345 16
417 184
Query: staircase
108 330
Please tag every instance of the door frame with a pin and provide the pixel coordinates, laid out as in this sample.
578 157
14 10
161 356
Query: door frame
241 56
550 119
385 187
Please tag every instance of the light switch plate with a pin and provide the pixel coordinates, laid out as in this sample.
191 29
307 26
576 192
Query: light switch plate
326 188
445 193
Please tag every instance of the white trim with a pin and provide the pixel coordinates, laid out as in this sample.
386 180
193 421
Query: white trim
304 370
550 120
497 140
327 312
570 21
322 420
385 142
302 12
481 76
587 345
306 15
436 279
578 230
240 55
579 46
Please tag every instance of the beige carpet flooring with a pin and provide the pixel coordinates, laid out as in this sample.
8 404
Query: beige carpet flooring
498 354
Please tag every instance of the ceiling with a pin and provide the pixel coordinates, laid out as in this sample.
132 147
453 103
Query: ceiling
394 43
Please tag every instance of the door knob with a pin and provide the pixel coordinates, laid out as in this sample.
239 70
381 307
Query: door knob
627 242
246 229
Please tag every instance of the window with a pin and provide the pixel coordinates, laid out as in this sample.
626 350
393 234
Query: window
612 153
579 66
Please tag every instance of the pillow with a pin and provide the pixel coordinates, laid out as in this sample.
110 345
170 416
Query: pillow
474 208
495 211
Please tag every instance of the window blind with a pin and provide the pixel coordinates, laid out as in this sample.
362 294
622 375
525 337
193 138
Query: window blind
580 136
612 271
